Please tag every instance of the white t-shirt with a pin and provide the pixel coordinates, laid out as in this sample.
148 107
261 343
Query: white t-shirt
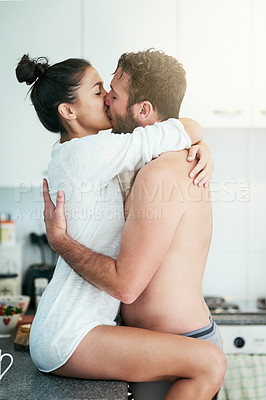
85 169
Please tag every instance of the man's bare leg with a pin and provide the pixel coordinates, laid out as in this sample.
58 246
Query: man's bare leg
132 354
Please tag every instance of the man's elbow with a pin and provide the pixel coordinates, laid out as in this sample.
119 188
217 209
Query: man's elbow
128 295
128 286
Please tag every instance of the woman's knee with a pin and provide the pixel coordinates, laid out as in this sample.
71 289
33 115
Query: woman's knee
217 365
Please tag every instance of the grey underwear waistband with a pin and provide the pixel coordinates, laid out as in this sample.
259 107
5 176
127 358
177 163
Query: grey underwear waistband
203 333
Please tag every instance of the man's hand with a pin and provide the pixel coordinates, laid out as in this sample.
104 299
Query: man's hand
54 217
203 171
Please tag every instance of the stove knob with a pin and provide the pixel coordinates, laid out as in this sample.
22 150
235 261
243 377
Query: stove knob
239 342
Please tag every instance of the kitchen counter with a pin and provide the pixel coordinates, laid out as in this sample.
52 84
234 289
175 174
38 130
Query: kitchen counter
24 381
243 318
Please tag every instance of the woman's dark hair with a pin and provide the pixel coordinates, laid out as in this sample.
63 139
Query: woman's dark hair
52 85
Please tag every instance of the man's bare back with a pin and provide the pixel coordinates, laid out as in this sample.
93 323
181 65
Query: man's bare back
173 301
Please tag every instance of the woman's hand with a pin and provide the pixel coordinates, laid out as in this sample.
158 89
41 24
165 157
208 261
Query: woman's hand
54 217
202 173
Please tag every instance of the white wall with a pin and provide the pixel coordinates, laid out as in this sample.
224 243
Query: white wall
237 258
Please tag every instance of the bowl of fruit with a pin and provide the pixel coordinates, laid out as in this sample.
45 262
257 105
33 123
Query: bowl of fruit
19 301
9 317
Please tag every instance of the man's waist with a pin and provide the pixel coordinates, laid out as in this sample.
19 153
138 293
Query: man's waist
177 322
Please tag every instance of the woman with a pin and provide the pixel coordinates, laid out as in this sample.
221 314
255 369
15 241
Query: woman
69 99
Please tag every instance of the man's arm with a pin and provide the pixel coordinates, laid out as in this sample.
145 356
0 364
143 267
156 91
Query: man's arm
146 237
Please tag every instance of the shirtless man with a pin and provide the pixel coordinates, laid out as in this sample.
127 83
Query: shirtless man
158 273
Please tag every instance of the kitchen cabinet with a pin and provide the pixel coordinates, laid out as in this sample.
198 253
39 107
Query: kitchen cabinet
214 45
259 64
221 44
52 29
114 27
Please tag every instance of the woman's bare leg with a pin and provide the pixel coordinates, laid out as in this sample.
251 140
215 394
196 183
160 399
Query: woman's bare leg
132 354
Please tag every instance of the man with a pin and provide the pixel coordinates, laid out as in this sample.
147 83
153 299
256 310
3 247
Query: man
158 272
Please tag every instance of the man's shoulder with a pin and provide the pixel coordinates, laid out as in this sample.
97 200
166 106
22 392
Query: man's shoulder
161 179
158 168
162 173
170 164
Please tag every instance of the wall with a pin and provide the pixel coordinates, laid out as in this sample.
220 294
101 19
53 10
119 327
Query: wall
237 258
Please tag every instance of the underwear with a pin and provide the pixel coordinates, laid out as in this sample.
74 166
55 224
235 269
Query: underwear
203 333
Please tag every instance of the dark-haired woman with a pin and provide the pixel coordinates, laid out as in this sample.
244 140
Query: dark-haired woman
69 99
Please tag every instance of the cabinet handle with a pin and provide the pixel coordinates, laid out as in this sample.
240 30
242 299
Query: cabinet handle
228 112
263 111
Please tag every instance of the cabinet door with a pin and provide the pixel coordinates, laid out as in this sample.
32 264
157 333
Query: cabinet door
259 64
40 29
214 47
114 27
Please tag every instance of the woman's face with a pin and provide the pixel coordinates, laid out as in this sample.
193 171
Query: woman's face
89 106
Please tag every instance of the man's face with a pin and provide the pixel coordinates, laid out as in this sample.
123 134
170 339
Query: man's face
122 118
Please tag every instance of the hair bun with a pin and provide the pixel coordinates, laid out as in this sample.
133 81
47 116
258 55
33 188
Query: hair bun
28 70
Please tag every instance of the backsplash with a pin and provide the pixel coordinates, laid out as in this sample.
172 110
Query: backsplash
236 264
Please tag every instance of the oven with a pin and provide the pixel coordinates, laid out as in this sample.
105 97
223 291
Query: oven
242 324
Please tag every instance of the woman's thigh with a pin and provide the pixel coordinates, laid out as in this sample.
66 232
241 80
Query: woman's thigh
133 354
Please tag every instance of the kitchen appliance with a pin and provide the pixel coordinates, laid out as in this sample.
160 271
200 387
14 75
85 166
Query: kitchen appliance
8 284
7 230
31 285
38 275
10 270
242 324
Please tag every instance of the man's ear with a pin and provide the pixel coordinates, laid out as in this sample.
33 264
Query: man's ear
67 111
144 111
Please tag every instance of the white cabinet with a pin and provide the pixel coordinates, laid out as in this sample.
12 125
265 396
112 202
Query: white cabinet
221 44
214 47
258 57
112 28
49 28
